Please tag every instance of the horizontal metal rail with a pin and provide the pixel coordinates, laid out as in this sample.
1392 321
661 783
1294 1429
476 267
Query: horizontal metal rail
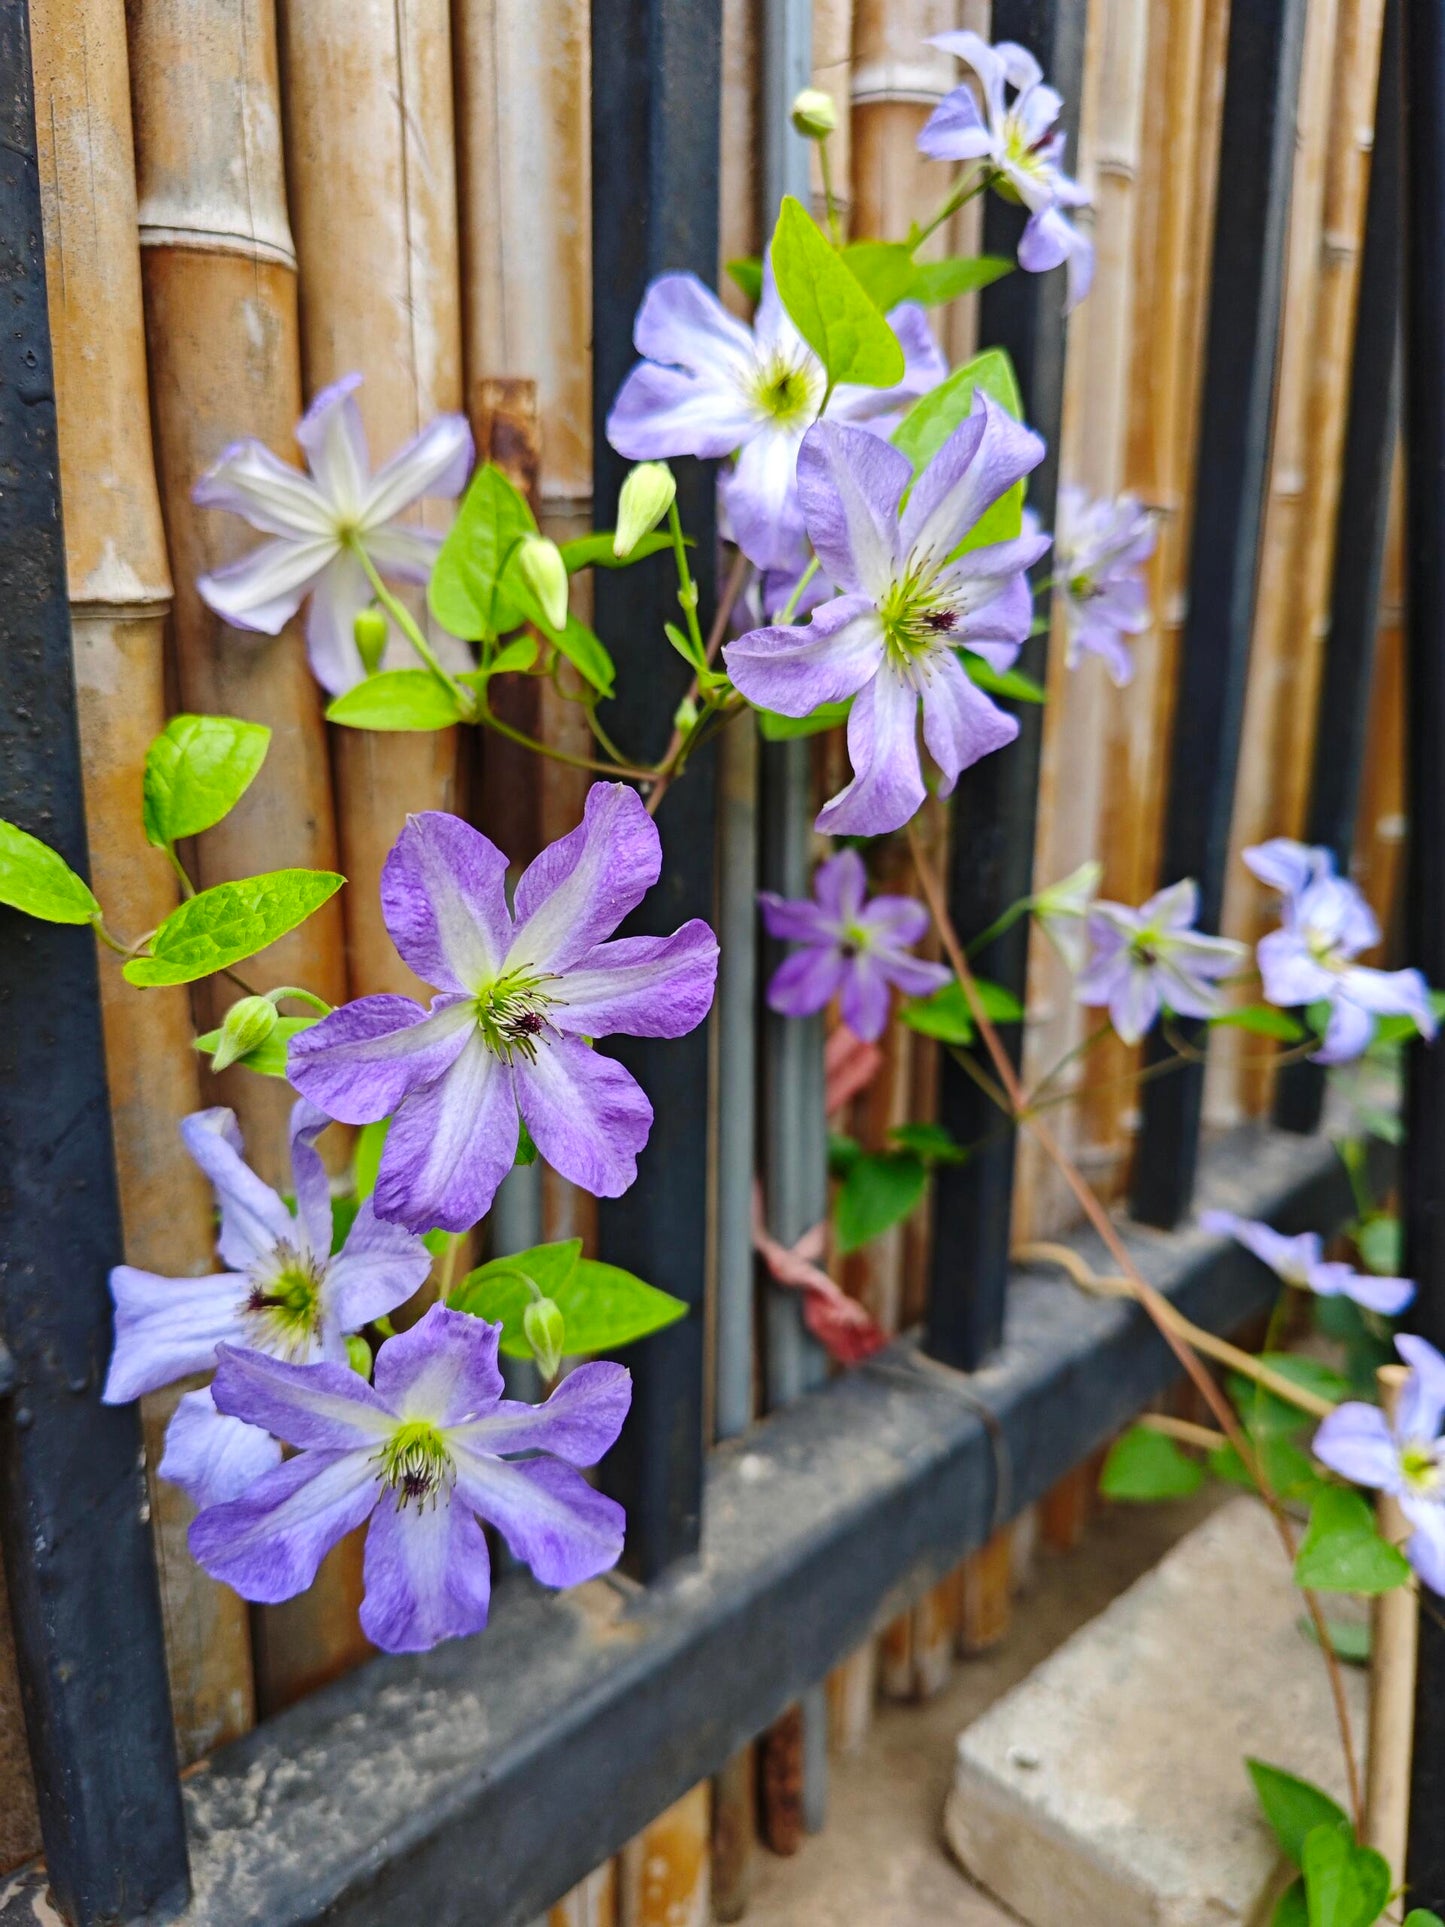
472 1786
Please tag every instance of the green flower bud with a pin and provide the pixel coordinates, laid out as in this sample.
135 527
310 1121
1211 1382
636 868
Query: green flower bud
814 115
358 1354
684 717
545 574
544 1328
370 630
647 495
247 1024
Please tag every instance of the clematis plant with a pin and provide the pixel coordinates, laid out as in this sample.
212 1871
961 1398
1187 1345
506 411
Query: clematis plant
909 600
1406 1457
331 529
1100 548
283 1293
424 1453
851 946
1151 959
1300 1261
519 995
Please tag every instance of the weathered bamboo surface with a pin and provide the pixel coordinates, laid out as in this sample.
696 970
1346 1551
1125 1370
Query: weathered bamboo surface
120 593
740 210
664 1875
897 82
1380 832
19 1821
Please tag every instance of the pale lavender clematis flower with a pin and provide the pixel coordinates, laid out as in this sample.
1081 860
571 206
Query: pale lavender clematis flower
1020 143
517 1001
1151 959
424 1454
1300 1261
908 603
1062 909
1326 923
283 1293
1100 548
852 947
317 521
1406 1459
711 386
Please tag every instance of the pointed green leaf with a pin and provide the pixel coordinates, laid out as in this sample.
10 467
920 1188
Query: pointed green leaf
586 653
828 306
36 879
607 1308
1381 1242
499 1292
1343 1552
1422 1917
931 1142
880 1190
1346 1885
937 281
1145 1465
366 1158
595 551
224 926
1291 1909
196 772
1293 1807
1001 682
1350 1639
934 416
946 1015
885 270
268 1059
783 729
465 593
1291 1472
1263 1020
396 699
747 274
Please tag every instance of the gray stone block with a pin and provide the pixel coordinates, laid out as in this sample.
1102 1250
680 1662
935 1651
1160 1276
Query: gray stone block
1109 1789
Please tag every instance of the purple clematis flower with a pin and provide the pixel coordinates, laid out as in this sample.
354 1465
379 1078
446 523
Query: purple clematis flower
1100 549
1152 959
319 521
908 602
518 998
853 947
711 386
1326 923
1406 1459
1020 142
423 1454
283 1293
1300 1261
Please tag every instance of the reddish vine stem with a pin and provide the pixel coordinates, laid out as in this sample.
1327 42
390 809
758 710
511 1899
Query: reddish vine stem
732 589
1156 1306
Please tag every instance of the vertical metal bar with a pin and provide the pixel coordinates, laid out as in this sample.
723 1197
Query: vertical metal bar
737 989
995 804
1424 1157
1246 295
73 1514
656 79
1362 517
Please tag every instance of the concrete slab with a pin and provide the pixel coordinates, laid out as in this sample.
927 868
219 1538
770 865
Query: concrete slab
1109 1788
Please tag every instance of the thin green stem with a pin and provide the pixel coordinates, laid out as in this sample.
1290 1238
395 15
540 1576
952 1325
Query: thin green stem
1070 1056
629 771
110 940
959 195
790 608
188 889
686 587
300 996
996 929
408 626
829 199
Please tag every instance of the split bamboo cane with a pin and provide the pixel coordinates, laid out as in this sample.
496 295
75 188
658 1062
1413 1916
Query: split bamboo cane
739 186
371 166
120 593
1395 1629
221 314
832 75
898 79
1380 835
665 1873
591 1903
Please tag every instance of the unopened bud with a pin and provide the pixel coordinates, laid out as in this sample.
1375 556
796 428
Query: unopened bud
247 1024
814 114
647 495
544 1328
684 717
358 1354
369 628
545 574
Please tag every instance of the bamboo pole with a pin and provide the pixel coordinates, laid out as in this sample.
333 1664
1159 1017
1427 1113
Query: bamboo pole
1380 834
664 1874
1394 1624
120 593
592 1903
19 1820
832 75
734 1834
371 167
221 316
897 82
740 193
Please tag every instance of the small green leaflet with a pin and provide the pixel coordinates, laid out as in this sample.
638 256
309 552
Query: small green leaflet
1001 682
880 1191
934 416
1291 1472
1346 1885
1145 1465
931 1142
465 593
1293 1807
1275 1417
747 274
396 699
595 551
1291 1909
1343 1552
514 657
1422 1917
1381 1243
828 306
196 772
1349 1638
33 878
885 270
268 1059
938 281
783 729
1263 1020
604 1307
946 1015
586 653
223 926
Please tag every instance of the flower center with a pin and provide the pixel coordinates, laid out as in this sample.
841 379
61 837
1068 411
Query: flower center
786 391
1420 1467
285 1304
853 941
1020 153
916 619
416 1464
512 1015
1324 950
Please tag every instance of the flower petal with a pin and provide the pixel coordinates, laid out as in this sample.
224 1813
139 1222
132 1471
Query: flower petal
212 1458
338 597
1388 1296
334 441
404 551
760 496
581 887
253 1219
324 1408
361 1061
263 590
1422 1397
641 986
662 412
841 888
378 1268
1288 866
427 1574
1292 1259
960 724
444 901
983 457
794 670
682 322
1291 974
1355 1441
955 130
578 1423
802 984
450 1145
887 787
551 1518
1347 1034
1135 1003
1425 1548
587 1115
864 1002
436 462
270 494
309 1181
850 484
268 1544
798 919
443 1370
167 1328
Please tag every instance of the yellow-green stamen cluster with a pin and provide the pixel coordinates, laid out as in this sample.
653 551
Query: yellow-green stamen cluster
1420 1467
916 620
787 391
287 1302
416 1464
512 1016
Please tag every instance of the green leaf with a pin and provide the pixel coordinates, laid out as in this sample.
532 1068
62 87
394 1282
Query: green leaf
1269 1416
1381 1244
1349 1638
604 1307
1291 1909
946 1015
196 772
366 1158
595 551
1001 682
885 270
36 879
586 653
843 1153
1343 1552
783 729
1293 1807
936 281
828 306
682 642
498 1290
396 699
931 1142
220 927
1144 1465
465 593
268 1059
1291 1472
934 416
880 1190
1346 1885
1422 1917
1263 1020
747 274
